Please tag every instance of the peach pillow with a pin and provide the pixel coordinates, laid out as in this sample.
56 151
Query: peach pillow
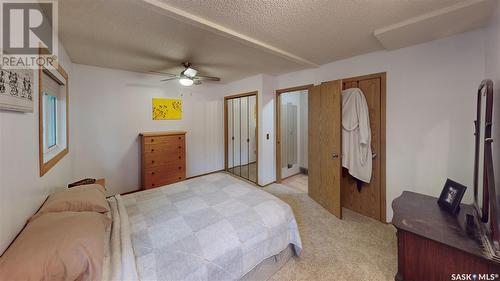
58 246
83 198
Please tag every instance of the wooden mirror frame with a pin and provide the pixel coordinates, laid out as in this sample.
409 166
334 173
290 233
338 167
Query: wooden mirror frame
483 210
46 166
487 214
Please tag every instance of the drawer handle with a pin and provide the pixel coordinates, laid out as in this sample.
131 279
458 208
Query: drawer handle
180 147
180 168
180 138
152 173
152 184
180 157
152 140
152 150
153 161
180 178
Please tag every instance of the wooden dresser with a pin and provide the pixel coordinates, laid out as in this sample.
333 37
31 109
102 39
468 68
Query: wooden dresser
163 158
433 244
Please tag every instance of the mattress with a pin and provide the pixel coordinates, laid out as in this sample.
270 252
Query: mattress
214 227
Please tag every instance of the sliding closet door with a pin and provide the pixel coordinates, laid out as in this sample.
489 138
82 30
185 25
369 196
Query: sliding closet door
241 136
252 138
244 139
325 146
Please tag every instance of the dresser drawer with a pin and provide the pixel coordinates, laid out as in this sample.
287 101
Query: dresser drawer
153 182
164 170
174 139
161 159
164 148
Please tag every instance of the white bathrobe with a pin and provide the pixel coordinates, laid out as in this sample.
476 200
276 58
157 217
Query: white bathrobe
356 135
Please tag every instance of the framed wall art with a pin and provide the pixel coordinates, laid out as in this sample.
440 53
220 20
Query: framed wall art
167 109
16 90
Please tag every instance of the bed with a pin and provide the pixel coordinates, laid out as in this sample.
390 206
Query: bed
214 227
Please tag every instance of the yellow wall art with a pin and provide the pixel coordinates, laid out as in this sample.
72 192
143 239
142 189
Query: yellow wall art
167 109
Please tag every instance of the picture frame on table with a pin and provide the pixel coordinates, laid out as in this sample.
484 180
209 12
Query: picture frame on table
451 196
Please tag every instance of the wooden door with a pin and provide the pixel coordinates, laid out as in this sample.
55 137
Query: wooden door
370 201
325 112
314 129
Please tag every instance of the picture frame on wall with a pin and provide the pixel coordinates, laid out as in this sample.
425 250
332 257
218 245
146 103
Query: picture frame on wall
16 90
451 196
167 109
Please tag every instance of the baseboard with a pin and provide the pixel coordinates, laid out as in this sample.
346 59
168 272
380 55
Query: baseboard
205 174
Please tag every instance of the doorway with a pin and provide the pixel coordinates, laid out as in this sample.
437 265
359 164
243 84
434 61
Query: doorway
329 184
292 137
241 136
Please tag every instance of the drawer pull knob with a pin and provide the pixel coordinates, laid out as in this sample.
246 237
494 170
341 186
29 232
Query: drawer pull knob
180 157
152 162
152 173
152 184
180 178
180 138
180 167
180 147
152 140
152 150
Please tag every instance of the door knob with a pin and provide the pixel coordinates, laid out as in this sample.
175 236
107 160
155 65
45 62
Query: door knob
335 155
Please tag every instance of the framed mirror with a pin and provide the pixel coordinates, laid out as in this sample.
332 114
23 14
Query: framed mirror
486 196
480 184
53 116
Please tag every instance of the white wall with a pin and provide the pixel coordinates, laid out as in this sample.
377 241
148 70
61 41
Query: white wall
112 107
22 190
268 145
430 108
493 72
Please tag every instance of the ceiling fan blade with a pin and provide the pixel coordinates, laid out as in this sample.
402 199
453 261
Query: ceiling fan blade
168 79
206 78
162 73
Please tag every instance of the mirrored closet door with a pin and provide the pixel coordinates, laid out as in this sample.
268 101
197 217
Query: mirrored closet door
241 135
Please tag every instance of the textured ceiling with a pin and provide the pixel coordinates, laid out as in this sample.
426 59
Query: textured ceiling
319 30
123 34
441 23
134 35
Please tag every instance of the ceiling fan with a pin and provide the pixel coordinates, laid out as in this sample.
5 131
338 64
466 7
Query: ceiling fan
188 76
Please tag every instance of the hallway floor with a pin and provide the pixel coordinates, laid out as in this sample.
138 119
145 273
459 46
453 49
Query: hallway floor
298 182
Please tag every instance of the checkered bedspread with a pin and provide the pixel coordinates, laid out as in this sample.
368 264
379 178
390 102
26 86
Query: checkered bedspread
214 227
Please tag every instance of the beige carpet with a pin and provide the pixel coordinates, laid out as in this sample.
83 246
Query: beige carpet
355 248
299 182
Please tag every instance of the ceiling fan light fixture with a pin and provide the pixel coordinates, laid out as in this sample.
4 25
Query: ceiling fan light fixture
190 72
185 81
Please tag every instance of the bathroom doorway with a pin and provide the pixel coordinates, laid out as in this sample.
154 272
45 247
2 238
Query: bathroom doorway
292 137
